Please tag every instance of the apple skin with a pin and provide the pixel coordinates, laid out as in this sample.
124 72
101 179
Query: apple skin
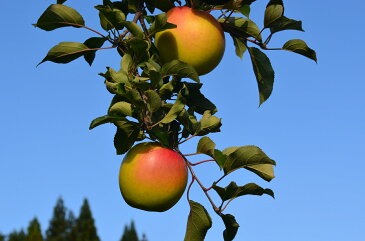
197 40
152 178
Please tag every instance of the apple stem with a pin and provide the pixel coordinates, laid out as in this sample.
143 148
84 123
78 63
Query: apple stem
195 164
188 191
216 209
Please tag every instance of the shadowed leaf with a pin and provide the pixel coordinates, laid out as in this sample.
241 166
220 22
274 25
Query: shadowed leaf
233 191
208 124
197 100
105 119
284 23
199 222
175 110
93 43
264 73
127 133
160 24
231 227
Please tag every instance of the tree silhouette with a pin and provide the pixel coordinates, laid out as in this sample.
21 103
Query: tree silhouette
34 231
85 229
130 233
59 227
17 236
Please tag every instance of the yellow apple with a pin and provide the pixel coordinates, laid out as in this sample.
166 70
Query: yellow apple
197 40
152 178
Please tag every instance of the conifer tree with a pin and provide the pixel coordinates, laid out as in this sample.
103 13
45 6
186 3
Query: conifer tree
17 236
58 226
85 229
34 231
2 237
130 233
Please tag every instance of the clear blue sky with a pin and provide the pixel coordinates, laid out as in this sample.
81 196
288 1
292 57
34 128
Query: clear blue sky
313 126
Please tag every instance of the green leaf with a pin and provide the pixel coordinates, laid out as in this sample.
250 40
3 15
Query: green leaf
126 63
197 100
93 43
263 71
300 47
233 191
245 10
153 100
284 23
231 227
61 1
134 29
265 171
206 146
208 124
175 109
116 77
163 5
65 52
121 108
274 10
199 222
58 16
110 18
241 27
188 120
160 24
105 119
140 49
180 69
247 157
240 46
127 134
167 89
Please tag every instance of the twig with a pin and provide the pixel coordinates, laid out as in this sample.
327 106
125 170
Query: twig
195 164
188 191
199 182
82 26
187 139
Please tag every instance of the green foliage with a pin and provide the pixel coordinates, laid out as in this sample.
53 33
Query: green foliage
84 227
164 102
34 231
57 16
17 236
199 222
59 227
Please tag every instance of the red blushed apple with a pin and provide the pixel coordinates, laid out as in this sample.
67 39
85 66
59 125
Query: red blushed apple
152 178
197 40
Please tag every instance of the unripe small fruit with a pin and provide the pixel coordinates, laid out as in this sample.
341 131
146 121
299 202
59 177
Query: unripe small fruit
152 178
197 40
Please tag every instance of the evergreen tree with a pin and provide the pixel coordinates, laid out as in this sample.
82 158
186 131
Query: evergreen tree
71 223
85 229
34 231
17 236
2 237
130 233
58 227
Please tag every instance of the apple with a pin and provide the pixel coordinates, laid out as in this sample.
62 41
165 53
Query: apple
152 178
197 40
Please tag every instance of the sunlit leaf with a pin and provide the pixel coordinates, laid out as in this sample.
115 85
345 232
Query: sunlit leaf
105 119
65 52
300 47
208 124
57 16
180 69
175 110
274 10
153 100
241 27
160 23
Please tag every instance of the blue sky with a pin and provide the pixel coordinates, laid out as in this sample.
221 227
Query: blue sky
313 126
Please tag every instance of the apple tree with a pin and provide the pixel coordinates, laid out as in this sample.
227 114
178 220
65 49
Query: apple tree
157 91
